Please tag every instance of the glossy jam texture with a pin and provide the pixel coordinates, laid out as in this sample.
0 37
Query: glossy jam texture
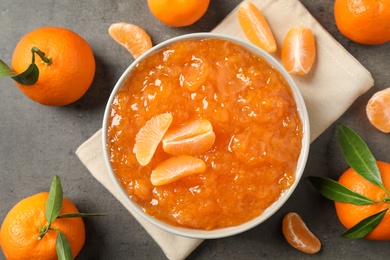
254 116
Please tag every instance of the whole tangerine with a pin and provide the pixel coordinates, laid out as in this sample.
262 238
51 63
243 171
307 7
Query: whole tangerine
67 76
363 21
21 229
178 13
350 214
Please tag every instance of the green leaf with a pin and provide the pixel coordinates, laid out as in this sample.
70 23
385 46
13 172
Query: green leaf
365 226
29 76
335 191
81 215
6 71
358 155
54 201
64 252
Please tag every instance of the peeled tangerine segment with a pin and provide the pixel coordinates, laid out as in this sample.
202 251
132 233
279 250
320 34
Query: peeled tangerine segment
378 110
298 50
255 27
194 74
195 137
149 137
298 235
135 39
175 168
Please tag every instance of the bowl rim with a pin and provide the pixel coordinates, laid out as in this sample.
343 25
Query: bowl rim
222 232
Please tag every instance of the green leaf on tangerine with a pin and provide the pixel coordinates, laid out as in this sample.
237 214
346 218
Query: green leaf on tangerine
54 201
81 215
6 71
358 155
365 226
335 191
29 76
64 252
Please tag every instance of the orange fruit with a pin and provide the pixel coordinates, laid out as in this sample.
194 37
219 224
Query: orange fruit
175 168
150 136
363 21
298 234
70 73
298 50
349 214
178 13
20 230
195 137
378 110
255 27
135 39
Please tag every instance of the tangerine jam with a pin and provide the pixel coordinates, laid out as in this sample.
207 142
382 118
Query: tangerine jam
258 132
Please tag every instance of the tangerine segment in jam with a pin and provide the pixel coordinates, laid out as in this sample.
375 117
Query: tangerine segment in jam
258 132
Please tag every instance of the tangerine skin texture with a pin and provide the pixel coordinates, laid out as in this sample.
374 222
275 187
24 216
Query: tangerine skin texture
349 214
178 13
68 77
253 114
363 21
20 230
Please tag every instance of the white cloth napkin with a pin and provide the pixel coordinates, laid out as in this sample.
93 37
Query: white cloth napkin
334 83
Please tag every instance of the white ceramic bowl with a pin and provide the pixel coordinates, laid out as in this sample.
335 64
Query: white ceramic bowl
223 232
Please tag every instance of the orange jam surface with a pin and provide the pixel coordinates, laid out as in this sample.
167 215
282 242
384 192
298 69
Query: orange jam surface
254 116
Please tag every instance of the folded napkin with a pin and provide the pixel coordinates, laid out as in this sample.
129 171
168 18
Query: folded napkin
335 81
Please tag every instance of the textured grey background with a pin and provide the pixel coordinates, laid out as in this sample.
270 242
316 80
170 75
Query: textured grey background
38 141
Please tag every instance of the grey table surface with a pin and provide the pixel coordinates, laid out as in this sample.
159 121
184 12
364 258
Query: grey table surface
38 141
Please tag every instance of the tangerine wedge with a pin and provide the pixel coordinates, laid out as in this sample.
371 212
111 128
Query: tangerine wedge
298 235
175 168
256 27
298 50
135 39
149 137
378 110
195 137
194 74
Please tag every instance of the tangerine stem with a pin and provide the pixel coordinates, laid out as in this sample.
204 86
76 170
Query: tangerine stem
386 199
387 191
45 59
43 230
